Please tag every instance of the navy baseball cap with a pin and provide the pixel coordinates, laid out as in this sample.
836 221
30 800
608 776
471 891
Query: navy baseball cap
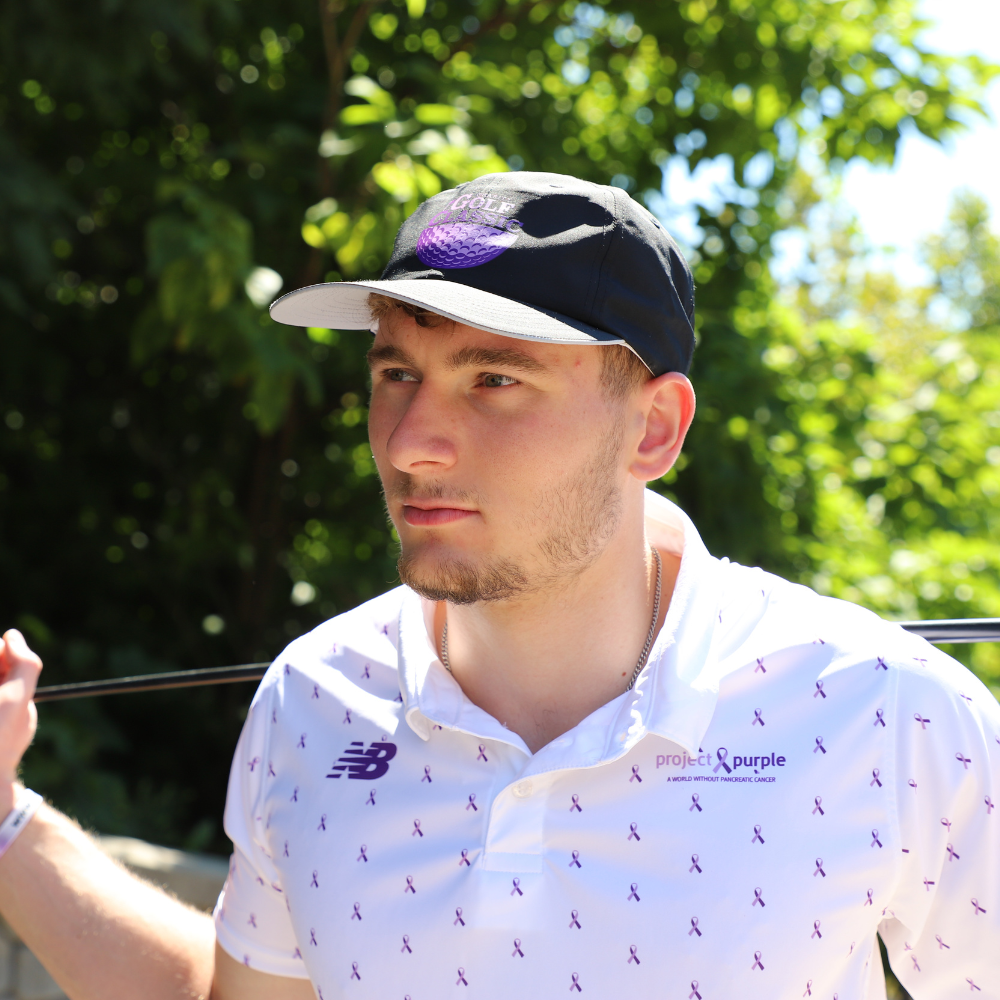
535 256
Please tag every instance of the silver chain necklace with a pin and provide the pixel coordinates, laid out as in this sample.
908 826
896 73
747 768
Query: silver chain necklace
645 649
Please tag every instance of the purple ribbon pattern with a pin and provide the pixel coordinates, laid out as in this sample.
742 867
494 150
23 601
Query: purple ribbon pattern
633 957
818 807
634 832
952 856
362 856
416 828
354 972
461 977
458 917
875 778
721 754
694 994
756 835
576 983
757 718
575 807
464 860
819 745
482 753
919 718
694 864
427 774
574 921
517 887
357 912
963 760
758 898
694 802
694 927
875 839
757 963
633 894
517 949
409 886
819 868
878 718
819 692
576 860
406 945
817 933
472 803
635 774
976 908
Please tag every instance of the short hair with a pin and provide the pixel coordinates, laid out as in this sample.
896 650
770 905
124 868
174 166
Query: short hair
622 370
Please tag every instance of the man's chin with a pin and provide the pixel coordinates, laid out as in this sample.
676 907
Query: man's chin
461 581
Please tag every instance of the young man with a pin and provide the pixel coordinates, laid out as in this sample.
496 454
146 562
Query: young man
573 752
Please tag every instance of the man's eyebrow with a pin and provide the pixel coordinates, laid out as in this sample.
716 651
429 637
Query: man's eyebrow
506 357
389 354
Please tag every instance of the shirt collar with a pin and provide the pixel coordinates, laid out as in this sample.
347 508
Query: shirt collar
674 695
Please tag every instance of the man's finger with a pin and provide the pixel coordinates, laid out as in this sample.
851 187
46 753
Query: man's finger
22 664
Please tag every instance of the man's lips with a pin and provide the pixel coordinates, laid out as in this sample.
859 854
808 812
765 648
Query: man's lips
431 517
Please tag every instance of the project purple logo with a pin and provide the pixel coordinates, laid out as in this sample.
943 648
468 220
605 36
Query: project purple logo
469 232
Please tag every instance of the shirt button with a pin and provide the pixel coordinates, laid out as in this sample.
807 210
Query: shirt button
522 789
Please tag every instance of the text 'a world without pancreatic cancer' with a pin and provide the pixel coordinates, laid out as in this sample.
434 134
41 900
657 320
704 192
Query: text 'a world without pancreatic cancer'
720 766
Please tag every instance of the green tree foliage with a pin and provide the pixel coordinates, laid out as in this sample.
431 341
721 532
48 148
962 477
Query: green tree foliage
185 483
884 451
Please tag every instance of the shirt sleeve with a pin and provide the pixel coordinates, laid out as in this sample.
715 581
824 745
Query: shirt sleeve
252 922
942 925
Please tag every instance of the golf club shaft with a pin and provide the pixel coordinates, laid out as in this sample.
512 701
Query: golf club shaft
953 630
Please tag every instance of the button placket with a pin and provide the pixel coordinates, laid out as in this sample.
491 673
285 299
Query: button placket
514 833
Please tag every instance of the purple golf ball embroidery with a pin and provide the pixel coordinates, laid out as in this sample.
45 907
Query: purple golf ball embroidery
460 244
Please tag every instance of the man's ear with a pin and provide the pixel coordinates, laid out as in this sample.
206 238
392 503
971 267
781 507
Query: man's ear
666 408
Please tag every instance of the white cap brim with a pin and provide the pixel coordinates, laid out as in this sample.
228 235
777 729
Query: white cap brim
343 305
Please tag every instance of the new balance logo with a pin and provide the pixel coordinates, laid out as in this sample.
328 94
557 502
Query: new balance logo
364 765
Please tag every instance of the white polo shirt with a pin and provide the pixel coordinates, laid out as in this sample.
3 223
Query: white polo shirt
789 776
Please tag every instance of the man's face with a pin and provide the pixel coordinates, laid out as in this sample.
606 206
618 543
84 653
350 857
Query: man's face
502 460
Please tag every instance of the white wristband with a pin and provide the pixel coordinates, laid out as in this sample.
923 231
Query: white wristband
25 806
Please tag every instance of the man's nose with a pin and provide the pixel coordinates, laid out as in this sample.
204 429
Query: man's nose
424 439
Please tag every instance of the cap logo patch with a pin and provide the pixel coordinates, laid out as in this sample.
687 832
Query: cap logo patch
469 232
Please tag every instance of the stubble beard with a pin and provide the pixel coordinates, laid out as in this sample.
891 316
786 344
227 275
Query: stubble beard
584 512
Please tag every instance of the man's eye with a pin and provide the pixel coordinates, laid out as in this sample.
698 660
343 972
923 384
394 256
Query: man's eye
492 381
400 375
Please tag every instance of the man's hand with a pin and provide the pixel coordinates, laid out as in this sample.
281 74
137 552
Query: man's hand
19 670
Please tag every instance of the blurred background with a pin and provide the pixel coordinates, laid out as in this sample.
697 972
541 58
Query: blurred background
184 483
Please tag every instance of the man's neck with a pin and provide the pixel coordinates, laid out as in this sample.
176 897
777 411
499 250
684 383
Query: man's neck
542 664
